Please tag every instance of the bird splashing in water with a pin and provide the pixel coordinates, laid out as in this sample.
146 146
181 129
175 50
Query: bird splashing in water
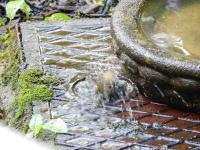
113 88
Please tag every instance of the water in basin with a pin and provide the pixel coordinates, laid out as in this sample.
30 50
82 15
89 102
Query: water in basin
173 25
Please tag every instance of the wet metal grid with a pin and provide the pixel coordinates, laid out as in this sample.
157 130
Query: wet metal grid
165 127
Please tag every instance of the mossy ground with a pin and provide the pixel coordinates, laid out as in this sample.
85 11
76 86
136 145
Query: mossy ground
30 85
10 58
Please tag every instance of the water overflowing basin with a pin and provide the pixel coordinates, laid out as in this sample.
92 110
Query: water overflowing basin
159 42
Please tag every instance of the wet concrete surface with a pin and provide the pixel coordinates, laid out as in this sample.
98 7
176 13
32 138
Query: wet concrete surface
79 52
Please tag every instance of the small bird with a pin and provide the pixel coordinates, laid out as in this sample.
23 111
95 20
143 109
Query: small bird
113 88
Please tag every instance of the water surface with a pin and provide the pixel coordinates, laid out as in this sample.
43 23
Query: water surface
173 25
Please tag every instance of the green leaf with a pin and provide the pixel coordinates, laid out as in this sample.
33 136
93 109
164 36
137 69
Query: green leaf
58 17
35 125
13 6
6 36
1 21
100 2
57 126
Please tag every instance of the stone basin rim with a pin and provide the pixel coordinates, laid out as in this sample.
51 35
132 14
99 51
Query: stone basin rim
122 25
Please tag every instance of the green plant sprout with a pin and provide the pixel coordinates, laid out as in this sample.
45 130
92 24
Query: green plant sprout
15 5
37 124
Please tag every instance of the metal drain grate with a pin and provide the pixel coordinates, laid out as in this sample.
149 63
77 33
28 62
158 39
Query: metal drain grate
167 127
67 46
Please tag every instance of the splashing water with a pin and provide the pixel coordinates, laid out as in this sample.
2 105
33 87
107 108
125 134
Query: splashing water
94 81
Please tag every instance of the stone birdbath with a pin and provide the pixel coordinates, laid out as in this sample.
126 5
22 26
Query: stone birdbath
168 78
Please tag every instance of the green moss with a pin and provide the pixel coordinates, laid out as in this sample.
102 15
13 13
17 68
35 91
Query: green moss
33 86
2 56
10 59
29 86
25 126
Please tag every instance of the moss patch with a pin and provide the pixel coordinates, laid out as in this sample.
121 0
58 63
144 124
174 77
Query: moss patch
2 56
29 86
33 86
10 58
